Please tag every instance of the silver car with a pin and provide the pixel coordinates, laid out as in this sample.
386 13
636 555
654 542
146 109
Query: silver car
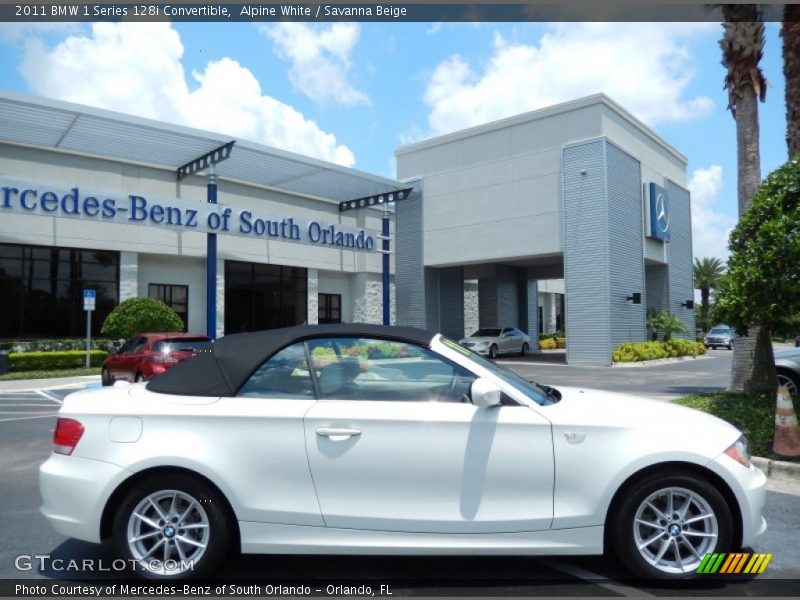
720 335
494 341
787 364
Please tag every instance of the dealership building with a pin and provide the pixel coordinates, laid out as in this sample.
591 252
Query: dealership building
573 217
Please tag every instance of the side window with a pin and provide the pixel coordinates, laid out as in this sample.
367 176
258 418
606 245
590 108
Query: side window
370 369
284 375
139 344
128 346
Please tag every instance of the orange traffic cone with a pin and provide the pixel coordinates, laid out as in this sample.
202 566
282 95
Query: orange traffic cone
787 433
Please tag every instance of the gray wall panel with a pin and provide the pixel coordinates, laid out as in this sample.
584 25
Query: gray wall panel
584 206
625 246
487 302
409 281
507 296
679 253
451 302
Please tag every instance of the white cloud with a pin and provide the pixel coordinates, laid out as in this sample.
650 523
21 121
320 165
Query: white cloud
710 227
136 68
434 29
644 66
320 58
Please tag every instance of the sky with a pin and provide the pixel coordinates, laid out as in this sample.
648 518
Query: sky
351 93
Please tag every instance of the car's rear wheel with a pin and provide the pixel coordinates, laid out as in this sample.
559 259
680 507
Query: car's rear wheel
667 523
790 381
105 377
139 378
493 351
525 349
173 527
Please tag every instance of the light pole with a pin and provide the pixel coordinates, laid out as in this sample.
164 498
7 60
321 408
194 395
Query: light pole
208 161
381 200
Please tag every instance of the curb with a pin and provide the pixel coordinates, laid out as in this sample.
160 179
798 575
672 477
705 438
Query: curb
777 469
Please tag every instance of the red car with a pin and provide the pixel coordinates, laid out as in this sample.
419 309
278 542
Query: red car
149 354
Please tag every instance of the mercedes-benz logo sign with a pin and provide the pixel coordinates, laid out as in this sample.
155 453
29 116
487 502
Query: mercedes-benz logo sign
662 213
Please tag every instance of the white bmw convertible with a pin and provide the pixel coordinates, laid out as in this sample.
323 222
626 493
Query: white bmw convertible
349 439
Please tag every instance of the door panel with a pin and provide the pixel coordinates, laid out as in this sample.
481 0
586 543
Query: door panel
442 467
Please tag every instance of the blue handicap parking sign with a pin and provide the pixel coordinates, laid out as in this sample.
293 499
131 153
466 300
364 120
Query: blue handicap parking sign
89 294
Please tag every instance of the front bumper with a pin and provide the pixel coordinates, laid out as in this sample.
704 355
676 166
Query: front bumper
74 493
749 485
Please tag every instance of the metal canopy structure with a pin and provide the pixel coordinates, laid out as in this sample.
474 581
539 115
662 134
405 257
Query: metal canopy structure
58 125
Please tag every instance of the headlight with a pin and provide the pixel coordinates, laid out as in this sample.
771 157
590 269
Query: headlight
482 344
740 451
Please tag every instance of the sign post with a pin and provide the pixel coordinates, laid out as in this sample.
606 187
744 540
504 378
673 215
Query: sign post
89 300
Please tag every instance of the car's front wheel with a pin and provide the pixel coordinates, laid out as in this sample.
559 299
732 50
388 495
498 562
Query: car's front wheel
105 377
525 349
791 382
173 527
667 523
493 351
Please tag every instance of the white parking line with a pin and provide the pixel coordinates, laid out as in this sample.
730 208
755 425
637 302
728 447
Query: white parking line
49 396
595 578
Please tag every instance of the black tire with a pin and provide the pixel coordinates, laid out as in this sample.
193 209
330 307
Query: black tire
791 381
525 349
730 346
220 527
493 351
105 377
138 378
623 525
713 347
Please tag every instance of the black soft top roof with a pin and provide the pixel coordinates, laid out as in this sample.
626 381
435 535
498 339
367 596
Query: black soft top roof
235 358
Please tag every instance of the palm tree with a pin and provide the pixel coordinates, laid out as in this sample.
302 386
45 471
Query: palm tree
742 47
790 33
707 272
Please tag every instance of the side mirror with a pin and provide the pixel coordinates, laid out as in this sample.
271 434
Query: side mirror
485 394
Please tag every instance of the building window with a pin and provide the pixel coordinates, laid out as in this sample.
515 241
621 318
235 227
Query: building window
261 296
42 290
174 296
330 308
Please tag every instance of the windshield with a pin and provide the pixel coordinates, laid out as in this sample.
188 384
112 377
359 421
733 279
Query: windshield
486 333
533 391
720 330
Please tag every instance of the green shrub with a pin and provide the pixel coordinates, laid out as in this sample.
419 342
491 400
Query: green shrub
640 351
60 359
49 345
754 415
140 315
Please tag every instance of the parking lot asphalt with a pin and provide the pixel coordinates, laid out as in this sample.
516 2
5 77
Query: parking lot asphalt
662 381
27 420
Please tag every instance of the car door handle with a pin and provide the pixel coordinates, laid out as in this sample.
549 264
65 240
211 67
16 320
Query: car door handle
337 434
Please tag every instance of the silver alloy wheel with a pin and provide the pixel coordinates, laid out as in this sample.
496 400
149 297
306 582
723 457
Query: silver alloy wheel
674 528
784 380
168 532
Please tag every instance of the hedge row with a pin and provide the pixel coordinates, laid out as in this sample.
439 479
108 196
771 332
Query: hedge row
44 361
639 351
59 344
552 343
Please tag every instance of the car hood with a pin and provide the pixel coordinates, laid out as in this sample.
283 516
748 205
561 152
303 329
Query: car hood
682 426
794 354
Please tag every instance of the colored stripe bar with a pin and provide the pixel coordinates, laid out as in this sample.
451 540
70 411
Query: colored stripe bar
717 563
702 567
726 566
765 563
742 559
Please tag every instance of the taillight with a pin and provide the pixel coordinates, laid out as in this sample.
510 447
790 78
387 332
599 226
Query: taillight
66 436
